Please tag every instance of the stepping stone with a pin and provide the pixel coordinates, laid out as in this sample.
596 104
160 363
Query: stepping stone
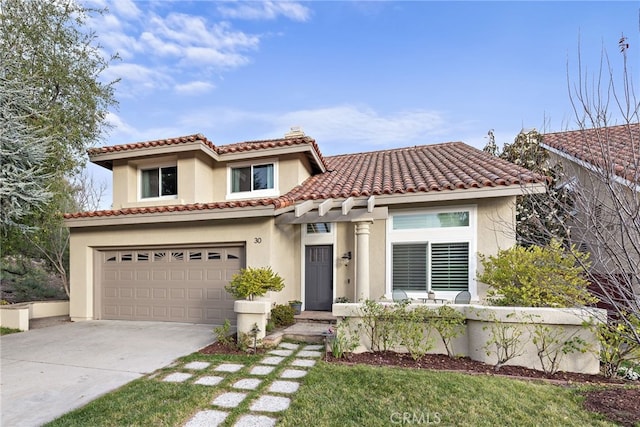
309 353
177 377
229 367
284 387
281 352
207 419
197 365
293 373
313 347
209 380
304 363
274 360
261 370
229 400
255 421
270 404
247 383
289 346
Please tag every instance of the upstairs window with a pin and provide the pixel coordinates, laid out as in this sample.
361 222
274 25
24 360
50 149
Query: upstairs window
159 182
252 180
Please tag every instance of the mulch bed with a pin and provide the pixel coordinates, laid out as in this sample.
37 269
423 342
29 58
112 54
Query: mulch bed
618 400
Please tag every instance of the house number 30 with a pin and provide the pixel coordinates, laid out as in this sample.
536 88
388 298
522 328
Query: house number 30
257 240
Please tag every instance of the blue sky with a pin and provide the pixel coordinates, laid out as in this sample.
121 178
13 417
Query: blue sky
357 76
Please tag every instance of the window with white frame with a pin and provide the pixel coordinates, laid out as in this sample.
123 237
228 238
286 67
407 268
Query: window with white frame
159 182
252 179
431 250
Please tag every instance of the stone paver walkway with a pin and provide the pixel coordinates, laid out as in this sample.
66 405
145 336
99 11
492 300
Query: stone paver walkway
264 388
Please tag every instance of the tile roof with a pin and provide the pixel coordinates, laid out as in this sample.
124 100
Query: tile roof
615 148
220 149
449 166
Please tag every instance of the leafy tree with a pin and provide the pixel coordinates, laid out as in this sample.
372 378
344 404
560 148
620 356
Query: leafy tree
539 217
51 63
23 152
536 277
44 44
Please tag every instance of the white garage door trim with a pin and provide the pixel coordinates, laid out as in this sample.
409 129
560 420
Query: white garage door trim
173 284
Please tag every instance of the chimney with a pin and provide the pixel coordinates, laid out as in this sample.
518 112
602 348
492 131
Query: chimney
295 132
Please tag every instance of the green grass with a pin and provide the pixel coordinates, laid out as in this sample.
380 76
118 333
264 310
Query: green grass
7 331
338 395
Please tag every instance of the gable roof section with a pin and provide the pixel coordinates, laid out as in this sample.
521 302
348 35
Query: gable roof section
104 156
452 166
615 148
426 168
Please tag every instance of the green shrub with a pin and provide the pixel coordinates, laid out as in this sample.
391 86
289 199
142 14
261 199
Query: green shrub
223 335
617 343
251 282
282 315
450 324
536 277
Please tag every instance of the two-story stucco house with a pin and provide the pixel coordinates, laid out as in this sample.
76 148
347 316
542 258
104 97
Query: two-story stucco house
602 168
187 214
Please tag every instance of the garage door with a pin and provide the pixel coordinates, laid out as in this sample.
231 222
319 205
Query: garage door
173 285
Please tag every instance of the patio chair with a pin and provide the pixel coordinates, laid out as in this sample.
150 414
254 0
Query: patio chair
463 297
398 295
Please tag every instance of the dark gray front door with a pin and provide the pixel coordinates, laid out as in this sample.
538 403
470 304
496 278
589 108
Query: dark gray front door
318 277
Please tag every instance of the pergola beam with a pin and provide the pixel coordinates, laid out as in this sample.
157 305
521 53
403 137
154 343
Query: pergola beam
303 208
347 205
325 207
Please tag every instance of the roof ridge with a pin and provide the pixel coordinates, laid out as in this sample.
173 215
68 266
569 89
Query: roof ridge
397 149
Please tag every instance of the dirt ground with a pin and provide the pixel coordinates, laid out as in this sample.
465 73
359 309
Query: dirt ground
618 400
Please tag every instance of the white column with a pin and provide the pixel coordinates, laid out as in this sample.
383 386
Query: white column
362 260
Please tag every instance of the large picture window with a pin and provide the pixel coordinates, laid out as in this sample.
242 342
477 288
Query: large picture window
448 264
159 182
431 250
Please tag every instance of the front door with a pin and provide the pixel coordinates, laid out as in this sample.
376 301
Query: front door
318 278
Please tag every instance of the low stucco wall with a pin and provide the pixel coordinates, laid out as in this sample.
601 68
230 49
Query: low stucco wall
473 343
17 316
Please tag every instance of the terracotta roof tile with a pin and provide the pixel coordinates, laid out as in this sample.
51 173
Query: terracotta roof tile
220 149
615 147
442 167
155 143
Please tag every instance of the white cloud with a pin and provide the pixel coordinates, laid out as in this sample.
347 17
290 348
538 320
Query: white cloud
265 10
359 126
136 78
125 8
196 87
364 125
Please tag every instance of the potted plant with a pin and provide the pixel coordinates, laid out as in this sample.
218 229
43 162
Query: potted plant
252 282
296 305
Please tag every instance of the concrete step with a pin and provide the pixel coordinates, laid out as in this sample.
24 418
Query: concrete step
319 317
308 332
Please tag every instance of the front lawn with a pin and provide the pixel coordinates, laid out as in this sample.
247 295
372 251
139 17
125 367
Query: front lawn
339 395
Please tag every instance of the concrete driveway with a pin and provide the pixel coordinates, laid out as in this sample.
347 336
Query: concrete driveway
48 372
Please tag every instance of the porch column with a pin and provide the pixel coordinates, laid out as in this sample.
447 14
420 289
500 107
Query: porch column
362 260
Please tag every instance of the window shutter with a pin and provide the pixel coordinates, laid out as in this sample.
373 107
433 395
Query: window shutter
450 266
410 266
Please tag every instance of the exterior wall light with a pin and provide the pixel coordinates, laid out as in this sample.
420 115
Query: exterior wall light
346 258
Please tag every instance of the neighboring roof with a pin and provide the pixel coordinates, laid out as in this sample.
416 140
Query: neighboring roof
615 148
452 166
97 152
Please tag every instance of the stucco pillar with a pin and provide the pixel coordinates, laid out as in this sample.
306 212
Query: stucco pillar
362 260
